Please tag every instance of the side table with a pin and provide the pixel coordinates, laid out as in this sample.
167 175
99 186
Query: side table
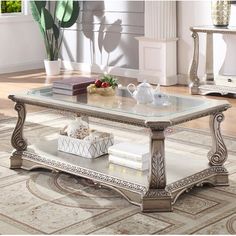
210 84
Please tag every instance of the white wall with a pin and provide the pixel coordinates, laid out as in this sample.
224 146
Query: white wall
196 13
21 45
105 37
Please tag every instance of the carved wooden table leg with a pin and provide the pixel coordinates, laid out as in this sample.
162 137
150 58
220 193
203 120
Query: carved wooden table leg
157 198
218 153
195 82
17 140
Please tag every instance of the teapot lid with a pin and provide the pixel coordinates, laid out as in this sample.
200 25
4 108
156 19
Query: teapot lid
144 84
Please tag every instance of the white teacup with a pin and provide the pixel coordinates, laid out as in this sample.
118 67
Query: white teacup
160 99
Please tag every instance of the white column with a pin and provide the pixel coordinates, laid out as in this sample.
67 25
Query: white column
157 49
160 20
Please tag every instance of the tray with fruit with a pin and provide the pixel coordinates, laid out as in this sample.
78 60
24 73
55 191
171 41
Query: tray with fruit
104 86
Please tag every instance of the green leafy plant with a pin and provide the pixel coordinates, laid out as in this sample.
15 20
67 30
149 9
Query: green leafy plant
52 20
110 79
10 6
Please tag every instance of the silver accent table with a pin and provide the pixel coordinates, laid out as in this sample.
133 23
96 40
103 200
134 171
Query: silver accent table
211 84
169 174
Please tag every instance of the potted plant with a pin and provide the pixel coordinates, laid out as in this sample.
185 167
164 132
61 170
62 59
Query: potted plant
52 18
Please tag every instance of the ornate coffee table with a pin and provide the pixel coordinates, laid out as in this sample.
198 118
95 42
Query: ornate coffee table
168 176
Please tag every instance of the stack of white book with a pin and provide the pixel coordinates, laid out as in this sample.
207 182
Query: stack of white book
130 155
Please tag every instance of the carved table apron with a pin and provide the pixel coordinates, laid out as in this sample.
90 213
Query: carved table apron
156 195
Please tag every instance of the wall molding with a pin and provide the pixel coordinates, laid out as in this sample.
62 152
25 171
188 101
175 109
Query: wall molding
31 65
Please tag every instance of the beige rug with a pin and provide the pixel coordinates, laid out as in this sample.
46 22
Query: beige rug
42 202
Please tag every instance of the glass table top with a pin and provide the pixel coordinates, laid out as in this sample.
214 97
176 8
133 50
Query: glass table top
123 103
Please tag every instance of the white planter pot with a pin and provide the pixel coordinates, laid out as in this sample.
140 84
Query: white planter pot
52 67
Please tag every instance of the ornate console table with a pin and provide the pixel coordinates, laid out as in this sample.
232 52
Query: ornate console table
223 85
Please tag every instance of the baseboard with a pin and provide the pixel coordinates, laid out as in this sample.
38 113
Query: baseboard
84 67
118 71
21 66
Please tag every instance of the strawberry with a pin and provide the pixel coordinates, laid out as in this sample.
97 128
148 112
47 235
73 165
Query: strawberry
98 83
105 85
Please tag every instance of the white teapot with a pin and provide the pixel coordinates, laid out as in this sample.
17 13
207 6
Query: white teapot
143 93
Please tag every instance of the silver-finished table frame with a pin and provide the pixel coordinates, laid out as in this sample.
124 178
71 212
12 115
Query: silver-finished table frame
157 196
208 85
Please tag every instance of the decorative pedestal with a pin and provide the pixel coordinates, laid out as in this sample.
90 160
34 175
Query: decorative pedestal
157 61
157 49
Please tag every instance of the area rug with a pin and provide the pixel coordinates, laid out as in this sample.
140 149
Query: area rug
44 202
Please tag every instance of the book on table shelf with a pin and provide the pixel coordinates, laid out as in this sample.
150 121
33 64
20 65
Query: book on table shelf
69 92
130 151
138 165
74 83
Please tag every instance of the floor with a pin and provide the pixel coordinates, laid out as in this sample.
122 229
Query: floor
13 82
49 203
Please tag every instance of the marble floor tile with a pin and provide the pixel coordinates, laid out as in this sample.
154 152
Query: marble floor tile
135 224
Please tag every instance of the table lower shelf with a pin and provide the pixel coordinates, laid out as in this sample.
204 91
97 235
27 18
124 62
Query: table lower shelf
222 85
183 172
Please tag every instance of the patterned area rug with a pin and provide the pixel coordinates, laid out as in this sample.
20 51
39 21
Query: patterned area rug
43 202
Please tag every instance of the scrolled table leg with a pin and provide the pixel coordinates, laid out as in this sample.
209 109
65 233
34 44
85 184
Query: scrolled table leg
17 139
195 82
218 153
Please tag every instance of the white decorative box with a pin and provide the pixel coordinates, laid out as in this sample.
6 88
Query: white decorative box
85 148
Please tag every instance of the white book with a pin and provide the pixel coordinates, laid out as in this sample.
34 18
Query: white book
132 151
128 163
123 169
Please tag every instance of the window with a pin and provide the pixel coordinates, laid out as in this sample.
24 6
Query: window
9 7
